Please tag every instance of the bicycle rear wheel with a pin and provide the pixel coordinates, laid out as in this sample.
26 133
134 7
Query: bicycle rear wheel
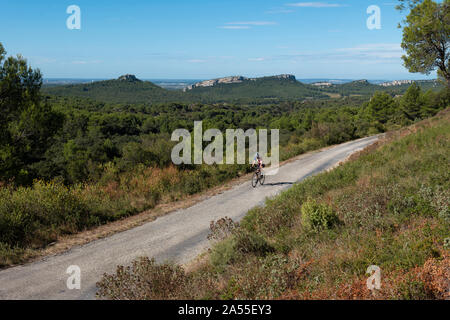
262 179
255 180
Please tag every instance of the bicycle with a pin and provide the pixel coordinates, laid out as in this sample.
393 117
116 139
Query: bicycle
258 176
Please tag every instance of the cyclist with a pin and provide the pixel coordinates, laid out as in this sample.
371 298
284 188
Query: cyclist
257 161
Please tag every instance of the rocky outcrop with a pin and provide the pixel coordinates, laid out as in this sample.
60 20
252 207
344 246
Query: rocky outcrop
361 81
396 83
283 77
322 84
129 78
235 79
214 82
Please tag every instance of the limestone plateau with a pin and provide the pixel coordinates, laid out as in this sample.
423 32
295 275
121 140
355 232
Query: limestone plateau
234 79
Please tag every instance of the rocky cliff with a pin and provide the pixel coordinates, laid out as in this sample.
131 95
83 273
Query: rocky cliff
129 78
235 79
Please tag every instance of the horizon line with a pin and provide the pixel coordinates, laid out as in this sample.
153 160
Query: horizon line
212 78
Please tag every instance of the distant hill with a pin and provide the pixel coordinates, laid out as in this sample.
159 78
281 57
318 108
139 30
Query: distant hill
281 87
125 89
360 87
364 87
129 89
404 84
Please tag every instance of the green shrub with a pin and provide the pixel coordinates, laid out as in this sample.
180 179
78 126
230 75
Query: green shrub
223 253
250 242
262 278
9 255
317 216
413 290
191 184
241 243
34 216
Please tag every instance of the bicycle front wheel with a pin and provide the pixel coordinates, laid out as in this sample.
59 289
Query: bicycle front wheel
255 180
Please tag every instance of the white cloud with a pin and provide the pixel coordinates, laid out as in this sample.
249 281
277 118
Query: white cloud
374 53
375 50
256 59
314 5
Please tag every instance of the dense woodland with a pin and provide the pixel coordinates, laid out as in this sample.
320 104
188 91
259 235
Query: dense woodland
91 134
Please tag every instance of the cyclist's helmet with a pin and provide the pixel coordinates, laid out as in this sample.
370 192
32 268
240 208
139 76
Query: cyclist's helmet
257 156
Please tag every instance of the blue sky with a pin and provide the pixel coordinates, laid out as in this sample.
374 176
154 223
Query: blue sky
202 39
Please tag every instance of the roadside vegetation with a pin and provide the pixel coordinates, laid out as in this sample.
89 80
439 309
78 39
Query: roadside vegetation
388 206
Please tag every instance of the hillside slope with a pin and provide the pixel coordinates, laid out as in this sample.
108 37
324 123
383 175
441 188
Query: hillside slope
129 89
365 88
283 87
389 207
266 90
126 89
